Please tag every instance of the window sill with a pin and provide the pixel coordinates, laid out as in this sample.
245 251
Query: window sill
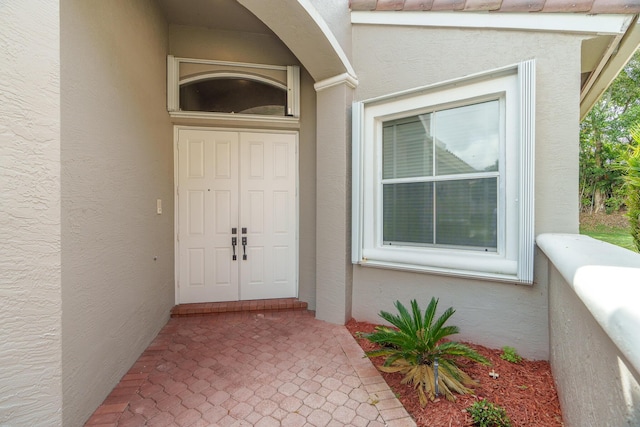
487 266
502 278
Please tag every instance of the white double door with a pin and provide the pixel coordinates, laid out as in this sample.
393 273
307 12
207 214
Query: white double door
237 215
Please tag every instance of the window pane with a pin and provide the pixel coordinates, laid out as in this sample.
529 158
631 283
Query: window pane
233 95
466 213
407 149
468 138
408 213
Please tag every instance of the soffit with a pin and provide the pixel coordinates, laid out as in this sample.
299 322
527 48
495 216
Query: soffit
218 14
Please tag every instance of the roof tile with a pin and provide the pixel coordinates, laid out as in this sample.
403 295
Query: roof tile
564 6
418 4
616 6
522 5
363 4
483 5
390 5
567 6
448 5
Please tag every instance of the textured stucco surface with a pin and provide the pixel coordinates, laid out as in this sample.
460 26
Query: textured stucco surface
597 385
116 161
334 272
202 43
30 299
493 314
339 22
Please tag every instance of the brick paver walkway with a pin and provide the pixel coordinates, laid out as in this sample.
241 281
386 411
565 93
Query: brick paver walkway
252 369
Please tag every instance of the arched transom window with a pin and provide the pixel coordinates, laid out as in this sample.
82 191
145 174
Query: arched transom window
213 88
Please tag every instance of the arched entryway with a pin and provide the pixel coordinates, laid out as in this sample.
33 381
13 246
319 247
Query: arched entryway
301 27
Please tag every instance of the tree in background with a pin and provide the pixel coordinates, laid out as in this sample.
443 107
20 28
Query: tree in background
604 139
632 187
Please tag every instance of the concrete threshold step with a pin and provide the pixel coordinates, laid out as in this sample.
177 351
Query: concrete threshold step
263 305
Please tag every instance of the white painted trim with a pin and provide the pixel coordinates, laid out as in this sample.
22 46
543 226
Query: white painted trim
556 22
176 217
605 278
233 117
173 89
357 141
344 78
234 129
230 64
513 260
293 96
174 82
471 78
527 83
494 277
226 74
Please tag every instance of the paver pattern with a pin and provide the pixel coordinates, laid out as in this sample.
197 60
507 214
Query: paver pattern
252 369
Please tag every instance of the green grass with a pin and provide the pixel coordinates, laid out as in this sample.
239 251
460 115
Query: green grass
616 236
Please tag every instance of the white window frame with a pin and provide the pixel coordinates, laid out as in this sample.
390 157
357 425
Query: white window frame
174 82
514 86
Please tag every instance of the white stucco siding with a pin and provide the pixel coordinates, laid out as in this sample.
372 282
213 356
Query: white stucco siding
117 159
30 298
391 59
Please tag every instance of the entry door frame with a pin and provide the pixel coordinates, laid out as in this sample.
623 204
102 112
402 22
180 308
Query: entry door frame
176 207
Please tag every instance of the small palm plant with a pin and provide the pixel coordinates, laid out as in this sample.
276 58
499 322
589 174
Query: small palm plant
415 347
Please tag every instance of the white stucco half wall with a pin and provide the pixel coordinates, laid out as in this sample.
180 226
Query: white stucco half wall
30 270
607 280
594 318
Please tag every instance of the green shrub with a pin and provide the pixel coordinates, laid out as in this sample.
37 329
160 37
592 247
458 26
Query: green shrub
614 204
486 414
632 185
510 355
417 343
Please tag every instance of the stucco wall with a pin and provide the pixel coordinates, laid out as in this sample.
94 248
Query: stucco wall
334 272
30 297
390 59
334 13
203 43
594 317
116 161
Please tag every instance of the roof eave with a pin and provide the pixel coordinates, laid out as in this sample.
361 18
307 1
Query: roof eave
615 58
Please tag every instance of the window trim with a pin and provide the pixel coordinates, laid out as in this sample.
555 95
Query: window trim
174 82
513 262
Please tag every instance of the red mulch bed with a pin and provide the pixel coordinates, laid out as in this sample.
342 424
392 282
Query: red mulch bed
525 390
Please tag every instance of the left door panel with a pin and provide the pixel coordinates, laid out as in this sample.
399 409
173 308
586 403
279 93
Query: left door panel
207 214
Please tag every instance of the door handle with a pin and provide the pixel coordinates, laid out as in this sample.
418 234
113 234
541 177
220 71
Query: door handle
234 242
244 248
